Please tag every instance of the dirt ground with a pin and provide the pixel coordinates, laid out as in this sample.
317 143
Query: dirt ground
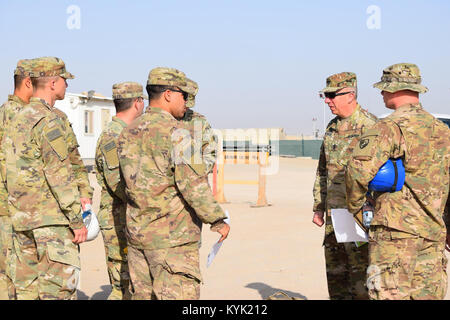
268 249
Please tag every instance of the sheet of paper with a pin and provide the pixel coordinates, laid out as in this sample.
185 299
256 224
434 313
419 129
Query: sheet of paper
345 227
217 245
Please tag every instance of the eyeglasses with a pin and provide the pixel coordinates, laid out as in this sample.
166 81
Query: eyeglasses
332 95
185 94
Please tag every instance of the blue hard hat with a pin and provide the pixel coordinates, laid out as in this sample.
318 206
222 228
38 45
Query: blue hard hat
390 177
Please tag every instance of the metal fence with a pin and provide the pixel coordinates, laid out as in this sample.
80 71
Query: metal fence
293 148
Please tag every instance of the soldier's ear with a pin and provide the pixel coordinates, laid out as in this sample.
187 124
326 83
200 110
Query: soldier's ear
27 82
351 97
52 83
167 95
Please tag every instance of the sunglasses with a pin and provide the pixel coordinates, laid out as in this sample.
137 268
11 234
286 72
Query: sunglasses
185 94
332 95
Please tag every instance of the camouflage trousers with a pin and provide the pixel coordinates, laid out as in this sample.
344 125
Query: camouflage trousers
165 274
404 266
47 263
7 291
116 261
346 266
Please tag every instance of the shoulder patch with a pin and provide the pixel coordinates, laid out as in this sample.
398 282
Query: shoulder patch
364 148
57 142
109 151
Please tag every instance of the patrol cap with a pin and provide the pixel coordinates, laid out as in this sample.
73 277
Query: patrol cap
168 77
128 89
401 76
49 67
193 90
23 68
339 81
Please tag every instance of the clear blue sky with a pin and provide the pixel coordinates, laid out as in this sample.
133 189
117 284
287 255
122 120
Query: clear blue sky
258 63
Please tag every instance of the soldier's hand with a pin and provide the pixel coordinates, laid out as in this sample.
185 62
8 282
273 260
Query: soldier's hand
84 202
371 200
447 243
224 231
318 218
80 235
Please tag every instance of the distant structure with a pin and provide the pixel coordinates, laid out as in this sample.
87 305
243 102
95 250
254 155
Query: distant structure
89 112
253 135
280 143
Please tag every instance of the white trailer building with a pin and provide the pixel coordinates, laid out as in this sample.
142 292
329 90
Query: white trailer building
89 113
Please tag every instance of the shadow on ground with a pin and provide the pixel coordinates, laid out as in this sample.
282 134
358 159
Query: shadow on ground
101 295
265 290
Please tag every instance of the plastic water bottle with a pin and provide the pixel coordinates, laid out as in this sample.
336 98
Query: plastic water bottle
87 215
367 214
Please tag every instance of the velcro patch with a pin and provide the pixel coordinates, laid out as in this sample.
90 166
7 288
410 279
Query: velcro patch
109 146
54 134
57 142
110 154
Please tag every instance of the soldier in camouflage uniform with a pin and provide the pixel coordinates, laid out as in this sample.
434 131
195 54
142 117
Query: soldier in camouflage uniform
407 234
168 199
346 263
23 90
44 201
129 102
203 137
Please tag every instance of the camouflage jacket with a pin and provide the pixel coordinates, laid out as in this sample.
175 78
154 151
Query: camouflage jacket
112 200
340 137
167 200
7 111
79 169
205 142
423 143
39 178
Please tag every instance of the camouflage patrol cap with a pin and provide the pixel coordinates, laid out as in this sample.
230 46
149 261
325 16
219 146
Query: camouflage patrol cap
339 81
401 76
125 90
23 68
193 90
168 77
49 67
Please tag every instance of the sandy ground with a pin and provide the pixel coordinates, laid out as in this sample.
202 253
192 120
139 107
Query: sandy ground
268 249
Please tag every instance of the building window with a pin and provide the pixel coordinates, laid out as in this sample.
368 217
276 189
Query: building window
88 122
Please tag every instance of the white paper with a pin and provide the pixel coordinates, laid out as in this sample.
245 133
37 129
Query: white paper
217 245
345 227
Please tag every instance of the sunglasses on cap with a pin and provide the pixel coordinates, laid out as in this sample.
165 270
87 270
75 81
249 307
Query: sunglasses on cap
332 95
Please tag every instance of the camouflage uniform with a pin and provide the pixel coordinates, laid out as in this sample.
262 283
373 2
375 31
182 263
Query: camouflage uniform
346 263
43 197
113 203
407 234
7 111
78 167
167 202
204 140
